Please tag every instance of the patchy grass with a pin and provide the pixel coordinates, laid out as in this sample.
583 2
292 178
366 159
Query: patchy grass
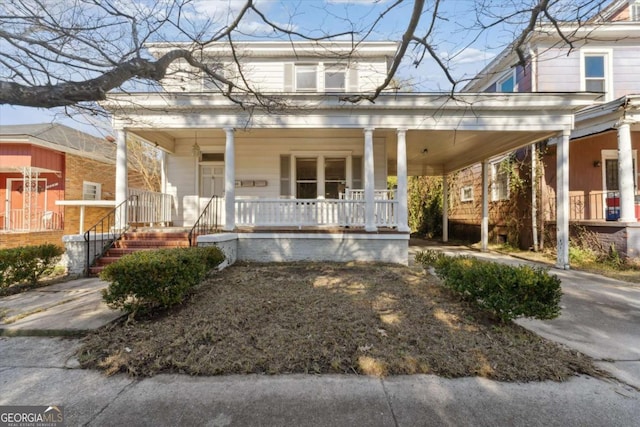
328 318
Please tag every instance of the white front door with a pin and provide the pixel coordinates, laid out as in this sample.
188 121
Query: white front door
212 180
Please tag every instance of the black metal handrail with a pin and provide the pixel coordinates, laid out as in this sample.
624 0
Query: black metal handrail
109 228
207 222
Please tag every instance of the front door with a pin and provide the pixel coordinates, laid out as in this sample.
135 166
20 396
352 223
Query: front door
212 180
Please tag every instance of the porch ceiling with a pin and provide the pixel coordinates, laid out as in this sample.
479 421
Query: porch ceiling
446 150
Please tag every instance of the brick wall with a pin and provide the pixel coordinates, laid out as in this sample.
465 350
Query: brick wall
13 240
80 169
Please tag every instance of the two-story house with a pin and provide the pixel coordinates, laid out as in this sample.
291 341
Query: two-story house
301 174
602 156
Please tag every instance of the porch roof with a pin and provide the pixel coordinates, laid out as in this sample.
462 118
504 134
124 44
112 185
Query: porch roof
444 133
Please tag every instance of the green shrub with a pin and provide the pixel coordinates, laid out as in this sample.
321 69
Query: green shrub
145 281
507 291
27 263
428 258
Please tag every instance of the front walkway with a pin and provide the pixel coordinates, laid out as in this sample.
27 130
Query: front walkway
69 308
600 316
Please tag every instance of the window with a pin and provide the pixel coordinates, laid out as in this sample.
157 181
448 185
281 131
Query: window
507 84
596 72
594 79
499 181
356 172
610 170
285 176
208 82
335 78
91 190
335 177
466 194
634 10
306 178
306 78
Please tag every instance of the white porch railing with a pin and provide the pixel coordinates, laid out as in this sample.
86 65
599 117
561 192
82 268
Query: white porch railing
358 194
20 220
149 207
312 212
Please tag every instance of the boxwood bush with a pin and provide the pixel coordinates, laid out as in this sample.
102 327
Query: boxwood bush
27 263
507 291
147 281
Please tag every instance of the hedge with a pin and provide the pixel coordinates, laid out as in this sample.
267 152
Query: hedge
27 263
146 281
507 291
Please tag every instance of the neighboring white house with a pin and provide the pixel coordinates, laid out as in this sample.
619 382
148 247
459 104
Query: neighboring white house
308 181
601 164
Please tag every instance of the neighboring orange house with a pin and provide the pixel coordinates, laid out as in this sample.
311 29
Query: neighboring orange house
41 164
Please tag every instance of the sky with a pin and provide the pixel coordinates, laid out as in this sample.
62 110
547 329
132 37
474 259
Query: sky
467 50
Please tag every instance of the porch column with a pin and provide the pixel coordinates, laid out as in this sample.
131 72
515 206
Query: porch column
445 208
401 190
229 181
484 225
121 176
625 173
562 200
369 177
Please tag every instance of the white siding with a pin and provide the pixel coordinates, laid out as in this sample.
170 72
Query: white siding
558 72
267 75
258 159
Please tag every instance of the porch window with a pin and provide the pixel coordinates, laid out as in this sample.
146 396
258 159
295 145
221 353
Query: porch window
356 172
335 177
285 176
306 78
335 78
611 176
499 181
91 190
306 178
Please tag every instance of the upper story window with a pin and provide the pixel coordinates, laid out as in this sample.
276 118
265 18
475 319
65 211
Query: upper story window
335 78
634 10
596 72
507 83
306 78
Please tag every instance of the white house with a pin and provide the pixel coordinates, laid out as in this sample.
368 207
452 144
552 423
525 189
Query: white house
308 181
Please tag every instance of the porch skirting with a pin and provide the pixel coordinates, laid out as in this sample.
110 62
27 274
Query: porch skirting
337 247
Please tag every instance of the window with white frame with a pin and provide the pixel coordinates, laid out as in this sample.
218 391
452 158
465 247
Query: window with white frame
335 78
466 193
306 77
91 190
596 72
210 83
499 181
634 10
507 83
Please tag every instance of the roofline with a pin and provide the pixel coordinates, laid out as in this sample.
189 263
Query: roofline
263 48
569 101
605 31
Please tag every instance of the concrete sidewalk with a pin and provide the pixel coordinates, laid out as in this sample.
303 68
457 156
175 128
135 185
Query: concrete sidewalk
42 371
69 308
600 316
